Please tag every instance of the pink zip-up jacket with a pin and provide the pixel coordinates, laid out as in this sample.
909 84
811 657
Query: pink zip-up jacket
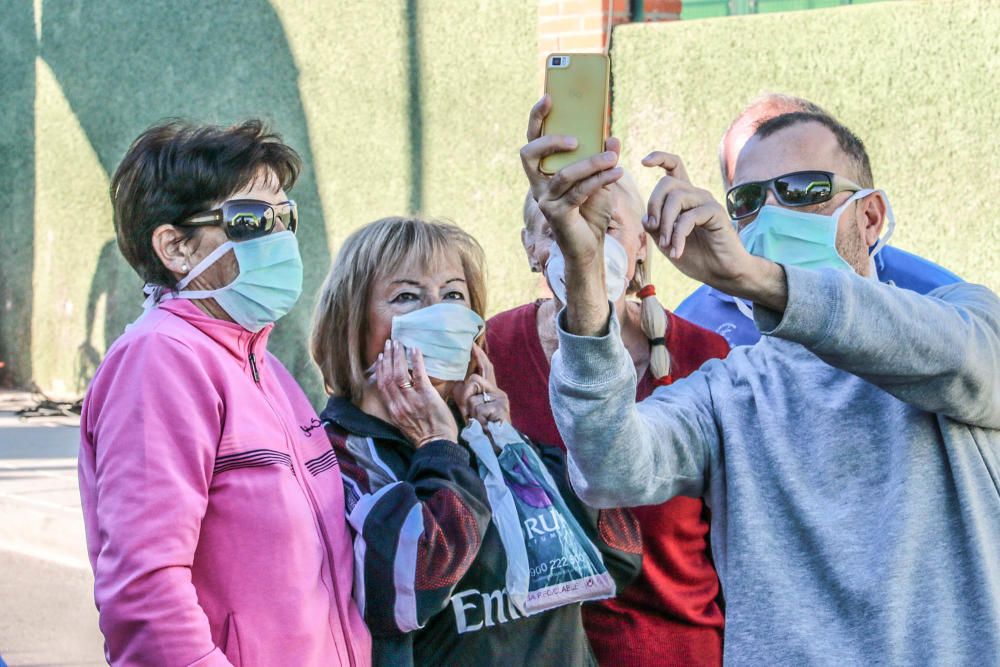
213 504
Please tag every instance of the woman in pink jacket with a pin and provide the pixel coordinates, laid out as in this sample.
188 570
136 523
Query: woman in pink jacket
214 513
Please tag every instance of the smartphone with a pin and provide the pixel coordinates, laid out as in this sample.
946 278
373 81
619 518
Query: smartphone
578 86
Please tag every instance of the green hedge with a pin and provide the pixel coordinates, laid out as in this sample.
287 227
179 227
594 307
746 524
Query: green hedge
391 104
917 81
407 105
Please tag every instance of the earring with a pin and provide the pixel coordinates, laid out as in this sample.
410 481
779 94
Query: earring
184 267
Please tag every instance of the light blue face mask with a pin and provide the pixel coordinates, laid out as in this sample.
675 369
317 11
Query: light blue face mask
444 333
268 285
806 240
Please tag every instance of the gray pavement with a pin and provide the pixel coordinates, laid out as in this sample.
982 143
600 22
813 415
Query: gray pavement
39 496
47 614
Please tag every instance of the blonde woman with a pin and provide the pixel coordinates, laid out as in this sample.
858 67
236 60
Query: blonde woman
430 561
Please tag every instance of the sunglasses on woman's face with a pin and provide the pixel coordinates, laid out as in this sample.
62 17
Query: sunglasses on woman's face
800 188
245 219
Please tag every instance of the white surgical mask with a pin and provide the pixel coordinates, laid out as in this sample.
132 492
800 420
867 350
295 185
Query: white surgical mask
444 333
615 270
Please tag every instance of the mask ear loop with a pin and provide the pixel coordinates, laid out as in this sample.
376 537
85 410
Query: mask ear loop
882 242
156 293
205 264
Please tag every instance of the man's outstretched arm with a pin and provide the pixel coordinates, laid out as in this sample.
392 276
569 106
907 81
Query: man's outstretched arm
623 454
619 454
939 352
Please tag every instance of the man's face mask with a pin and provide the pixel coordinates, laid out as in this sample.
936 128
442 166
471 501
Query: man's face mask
806 240
615 270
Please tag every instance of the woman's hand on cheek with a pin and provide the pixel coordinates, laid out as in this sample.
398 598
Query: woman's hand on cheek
471 395
413 405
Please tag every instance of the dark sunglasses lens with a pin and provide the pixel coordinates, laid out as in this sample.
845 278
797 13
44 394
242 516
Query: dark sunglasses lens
745 200
289 216
247 220
803 188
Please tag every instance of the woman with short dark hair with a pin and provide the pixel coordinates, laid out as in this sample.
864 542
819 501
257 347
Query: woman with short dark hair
214 518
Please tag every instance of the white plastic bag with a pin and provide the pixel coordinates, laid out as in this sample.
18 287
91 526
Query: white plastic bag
550 560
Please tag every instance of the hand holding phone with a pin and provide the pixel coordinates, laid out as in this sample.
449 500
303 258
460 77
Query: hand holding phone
577 83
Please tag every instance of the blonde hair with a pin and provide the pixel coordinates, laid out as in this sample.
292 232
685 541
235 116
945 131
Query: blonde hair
340 324
653 319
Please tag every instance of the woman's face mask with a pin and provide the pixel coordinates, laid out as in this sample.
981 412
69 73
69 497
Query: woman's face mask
267 286
444 333
615 270
396 309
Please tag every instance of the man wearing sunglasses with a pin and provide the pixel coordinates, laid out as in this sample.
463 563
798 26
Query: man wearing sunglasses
851 459
731 318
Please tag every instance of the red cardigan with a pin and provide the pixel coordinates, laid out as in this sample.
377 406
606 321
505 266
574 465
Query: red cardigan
670 615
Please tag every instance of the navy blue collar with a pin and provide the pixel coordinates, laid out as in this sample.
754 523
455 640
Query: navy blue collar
354 420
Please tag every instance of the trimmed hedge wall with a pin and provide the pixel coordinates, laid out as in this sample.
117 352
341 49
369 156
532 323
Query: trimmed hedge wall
407 106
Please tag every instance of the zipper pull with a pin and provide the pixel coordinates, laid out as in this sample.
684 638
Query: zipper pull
253 368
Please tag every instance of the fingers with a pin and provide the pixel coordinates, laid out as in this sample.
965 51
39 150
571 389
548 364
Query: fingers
670 163
670 200
568 177
687 222
420 378
384 376
656 223
537 117
685 225
494 411
614 145
533 152
400 369
576 198
463 394
484 364
473 403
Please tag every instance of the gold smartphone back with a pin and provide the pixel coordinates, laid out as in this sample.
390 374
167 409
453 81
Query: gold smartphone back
578 86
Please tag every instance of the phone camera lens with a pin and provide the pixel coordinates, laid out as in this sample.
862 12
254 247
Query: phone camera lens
556 62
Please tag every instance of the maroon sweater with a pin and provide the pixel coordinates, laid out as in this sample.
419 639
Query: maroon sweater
670 614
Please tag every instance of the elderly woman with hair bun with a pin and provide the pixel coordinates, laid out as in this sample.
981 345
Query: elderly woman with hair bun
671 614
394 337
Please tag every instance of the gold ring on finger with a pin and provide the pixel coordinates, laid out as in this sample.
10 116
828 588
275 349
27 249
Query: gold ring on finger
406 385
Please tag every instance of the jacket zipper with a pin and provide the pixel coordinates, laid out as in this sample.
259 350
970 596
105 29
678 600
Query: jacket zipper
344 619
253 369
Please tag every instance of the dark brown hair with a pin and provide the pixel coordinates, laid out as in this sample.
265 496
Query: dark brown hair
849 142
176 169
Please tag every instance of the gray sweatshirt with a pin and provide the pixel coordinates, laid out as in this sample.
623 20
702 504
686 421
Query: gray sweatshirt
850 459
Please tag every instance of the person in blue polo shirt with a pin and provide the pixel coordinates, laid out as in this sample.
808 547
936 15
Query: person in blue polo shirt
732 319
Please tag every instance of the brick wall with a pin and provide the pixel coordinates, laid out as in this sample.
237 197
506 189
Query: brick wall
581 25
